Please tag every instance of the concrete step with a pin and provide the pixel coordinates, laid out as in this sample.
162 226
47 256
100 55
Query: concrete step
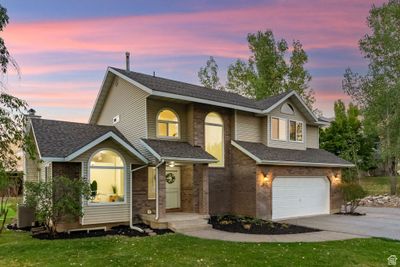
188 225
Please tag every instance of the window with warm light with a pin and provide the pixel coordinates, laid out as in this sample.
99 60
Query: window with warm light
278 129
296 131
107 177
167 124
214 138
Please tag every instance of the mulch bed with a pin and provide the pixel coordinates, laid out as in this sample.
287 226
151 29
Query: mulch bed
249 225
122 230
350 213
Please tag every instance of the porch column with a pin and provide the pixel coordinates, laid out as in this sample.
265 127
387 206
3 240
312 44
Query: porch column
162 196
200 174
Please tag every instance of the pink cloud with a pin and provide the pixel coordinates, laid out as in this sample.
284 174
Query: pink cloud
221 33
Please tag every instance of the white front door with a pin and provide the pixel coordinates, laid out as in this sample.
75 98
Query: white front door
299 196
173 187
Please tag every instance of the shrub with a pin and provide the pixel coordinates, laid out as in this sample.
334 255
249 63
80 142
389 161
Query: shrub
352 194
57 200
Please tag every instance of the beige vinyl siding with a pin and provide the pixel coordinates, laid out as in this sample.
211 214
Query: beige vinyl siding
296 116
129 102
107 213
155 106
248 127
312 136
32 170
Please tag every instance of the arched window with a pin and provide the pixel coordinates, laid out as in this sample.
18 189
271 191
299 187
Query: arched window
167 124
214 138
107 177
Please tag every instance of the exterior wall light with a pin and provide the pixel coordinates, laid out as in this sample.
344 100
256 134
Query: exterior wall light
171 164
266 178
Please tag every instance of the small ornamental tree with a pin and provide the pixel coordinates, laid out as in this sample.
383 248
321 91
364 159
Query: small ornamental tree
352 194
57 200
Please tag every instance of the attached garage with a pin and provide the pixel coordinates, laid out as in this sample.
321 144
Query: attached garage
300 196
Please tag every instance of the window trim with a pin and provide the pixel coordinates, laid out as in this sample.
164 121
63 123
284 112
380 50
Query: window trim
126 171
287 132
302 131
223 138
167 122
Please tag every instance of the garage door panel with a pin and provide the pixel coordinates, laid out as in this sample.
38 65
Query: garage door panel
299 196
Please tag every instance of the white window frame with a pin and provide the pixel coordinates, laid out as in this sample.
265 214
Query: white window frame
287 132
223 137
126 171
168 122
302 131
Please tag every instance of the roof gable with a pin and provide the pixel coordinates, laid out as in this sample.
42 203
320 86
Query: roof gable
63 141
194 93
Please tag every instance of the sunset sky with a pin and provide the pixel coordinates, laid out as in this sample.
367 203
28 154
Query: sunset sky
64 47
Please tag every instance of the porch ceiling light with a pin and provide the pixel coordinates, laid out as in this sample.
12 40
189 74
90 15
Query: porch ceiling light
171 164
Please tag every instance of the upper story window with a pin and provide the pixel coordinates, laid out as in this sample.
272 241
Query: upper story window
279 129
107 177
214 138
167 124
296 131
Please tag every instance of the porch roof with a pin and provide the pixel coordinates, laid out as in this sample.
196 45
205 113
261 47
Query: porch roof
290 157
177 151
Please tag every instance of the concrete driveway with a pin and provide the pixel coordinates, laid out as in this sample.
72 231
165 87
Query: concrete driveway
379 222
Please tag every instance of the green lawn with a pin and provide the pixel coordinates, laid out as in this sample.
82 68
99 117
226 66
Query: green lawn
377 185
19 249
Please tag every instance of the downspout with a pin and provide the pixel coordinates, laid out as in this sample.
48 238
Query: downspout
157 201
131 205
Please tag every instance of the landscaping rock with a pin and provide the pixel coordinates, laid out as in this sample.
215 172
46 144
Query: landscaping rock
381 201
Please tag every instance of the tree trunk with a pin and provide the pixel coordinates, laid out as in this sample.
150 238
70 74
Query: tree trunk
393 178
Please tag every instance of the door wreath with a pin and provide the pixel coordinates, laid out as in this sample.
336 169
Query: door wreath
170 177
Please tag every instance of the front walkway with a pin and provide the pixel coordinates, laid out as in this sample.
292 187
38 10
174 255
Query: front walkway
239 237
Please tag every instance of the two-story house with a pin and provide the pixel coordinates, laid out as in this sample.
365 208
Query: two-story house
156 147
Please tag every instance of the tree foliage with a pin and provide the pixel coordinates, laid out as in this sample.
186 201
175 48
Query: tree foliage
267 72
57 200
12 125
346 138
378 91
208 75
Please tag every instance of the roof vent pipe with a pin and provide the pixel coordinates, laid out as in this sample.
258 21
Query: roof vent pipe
127 56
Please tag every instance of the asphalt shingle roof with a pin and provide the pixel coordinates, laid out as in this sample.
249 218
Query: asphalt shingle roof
62 138
178 149
310 155
191 90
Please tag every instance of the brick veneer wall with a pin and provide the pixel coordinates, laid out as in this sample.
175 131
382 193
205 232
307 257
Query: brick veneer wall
140 201
243 184
69 169
187 203
219 178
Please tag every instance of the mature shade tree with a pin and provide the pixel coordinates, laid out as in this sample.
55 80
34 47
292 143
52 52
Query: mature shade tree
266 72
208 75
346 138
12 126
378 91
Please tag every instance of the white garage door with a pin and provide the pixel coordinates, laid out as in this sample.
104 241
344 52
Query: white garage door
299 196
